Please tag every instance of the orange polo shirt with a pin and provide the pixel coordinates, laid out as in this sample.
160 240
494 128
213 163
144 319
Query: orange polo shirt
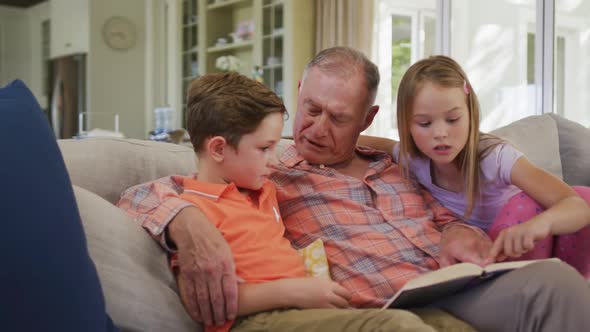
254 232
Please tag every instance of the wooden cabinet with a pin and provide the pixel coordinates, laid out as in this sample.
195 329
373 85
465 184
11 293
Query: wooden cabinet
69 27
272 40
190 55
273 31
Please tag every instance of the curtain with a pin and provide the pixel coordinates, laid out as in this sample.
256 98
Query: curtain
344 23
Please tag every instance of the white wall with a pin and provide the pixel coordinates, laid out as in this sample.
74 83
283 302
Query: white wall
15 49
116 79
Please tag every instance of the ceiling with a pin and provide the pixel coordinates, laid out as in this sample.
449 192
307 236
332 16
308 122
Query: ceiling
20 3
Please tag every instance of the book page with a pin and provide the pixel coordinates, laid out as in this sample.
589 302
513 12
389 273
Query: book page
432 285
444 274
450 280
505 266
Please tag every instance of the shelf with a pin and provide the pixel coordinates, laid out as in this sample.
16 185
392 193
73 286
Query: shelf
274 35
273 3
191 51
226 3
190 25
231 46
278 65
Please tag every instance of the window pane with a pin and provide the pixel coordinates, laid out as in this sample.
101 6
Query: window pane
401 52
492 42
405 33
572 60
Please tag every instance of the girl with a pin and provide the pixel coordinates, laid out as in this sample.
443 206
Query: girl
480 177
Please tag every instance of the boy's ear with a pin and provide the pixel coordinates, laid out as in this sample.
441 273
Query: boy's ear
215 147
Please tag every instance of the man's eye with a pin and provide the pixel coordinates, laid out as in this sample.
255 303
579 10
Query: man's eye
313 111
339 120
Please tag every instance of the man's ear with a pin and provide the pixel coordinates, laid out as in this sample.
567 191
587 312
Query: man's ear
298 86
370 116
215 147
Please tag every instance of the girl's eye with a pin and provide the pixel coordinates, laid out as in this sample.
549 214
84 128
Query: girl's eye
424 124
453 120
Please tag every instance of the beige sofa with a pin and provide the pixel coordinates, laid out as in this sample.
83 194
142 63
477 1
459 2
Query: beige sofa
140 291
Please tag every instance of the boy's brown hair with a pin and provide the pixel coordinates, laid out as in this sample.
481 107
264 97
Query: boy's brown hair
229 105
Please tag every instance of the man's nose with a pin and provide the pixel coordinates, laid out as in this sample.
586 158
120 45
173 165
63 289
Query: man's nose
321 125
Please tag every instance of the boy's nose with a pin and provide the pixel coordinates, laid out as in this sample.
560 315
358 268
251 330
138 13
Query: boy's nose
273 160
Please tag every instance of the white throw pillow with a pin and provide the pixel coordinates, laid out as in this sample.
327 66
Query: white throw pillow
139 289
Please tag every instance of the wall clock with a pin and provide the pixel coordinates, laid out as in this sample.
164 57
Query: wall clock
119 33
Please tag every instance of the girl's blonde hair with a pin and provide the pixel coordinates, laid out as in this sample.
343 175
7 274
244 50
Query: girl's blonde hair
445 72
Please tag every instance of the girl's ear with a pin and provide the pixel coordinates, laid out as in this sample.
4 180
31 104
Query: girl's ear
215 147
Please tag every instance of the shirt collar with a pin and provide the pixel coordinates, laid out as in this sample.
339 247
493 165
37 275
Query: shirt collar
215 191
292 158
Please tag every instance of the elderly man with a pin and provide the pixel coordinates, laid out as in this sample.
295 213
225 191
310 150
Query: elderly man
379 230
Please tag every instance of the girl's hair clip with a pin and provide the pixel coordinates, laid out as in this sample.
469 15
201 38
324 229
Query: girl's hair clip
465 87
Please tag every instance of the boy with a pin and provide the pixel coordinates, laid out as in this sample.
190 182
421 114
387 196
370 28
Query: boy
235 124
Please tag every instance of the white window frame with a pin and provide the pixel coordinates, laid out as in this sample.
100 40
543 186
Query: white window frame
384 10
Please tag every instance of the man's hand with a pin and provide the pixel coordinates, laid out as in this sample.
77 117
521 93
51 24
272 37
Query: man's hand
518 239
207 279
462 244
308 293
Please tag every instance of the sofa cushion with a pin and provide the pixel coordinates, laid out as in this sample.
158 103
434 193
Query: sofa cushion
139 289
537 138
574 147
107 166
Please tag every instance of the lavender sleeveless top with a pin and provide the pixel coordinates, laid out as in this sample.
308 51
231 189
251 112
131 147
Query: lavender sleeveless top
496 186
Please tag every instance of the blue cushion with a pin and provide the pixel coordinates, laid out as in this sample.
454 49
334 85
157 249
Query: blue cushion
17 90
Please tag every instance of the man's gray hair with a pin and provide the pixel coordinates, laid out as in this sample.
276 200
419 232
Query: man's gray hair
346 61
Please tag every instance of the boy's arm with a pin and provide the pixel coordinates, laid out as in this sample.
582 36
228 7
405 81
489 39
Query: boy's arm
291 293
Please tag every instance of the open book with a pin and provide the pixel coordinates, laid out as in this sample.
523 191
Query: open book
434 285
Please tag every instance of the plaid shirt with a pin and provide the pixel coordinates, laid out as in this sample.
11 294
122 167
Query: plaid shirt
378 233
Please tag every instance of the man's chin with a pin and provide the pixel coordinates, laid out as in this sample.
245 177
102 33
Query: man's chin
314 157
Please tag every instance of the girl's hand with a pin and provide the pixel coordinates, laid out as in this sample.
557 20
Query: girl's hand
307 293
518 239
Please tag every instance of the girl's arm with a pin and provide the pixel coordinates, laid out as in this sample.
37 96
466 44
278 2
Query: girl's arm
565 212
377 143
291 293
